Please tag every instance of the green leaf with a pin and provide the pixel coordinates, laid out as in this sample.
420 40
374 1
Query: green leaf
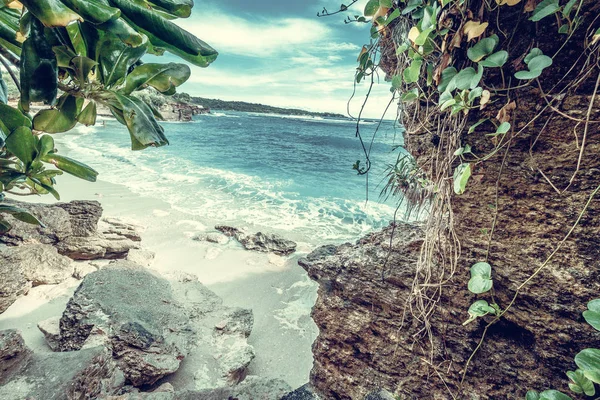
52 13
481 278
87 116
422 38
179 8
4 226
125 32
13 118
447 75
71 166
76 39
477 78
464 79
588 361
393 16
22 144
447 103
411 6
539 63
545 8
553 395
581 384
412 73
20 213
45 145
139 119
411 95
397 81
371 8
165 34
3 91
532 53
482 48
83 67
39 72
94 11
568 7
592 315
59 119
9 25
532 395
462 173
496 60
475 125
163 77
385 3
115 59
503 128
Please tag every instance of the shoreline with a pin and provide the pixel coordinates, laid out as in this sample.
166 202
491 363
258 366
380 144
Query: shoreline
276 288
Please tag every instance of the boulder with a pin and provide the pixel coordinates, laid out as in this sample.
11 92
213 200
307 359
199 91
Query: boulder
51 329
13 353
111 225
134 313
101 246
305 392
85 374
212 237
263 242
61 220
30 265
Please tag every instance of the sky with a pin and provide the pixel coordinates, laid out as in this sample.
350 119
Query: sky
281 54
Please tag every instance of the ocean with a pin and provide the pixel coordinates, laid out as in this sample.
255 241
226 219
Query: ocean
284 174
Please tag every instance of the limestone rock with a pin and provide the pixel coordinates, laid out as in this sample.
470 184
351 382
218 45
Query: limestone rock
111 225
134 312
305 392
263 242
30 265
141 257
61 220
82 268
85 374
13 353
101 246
51 330
212 237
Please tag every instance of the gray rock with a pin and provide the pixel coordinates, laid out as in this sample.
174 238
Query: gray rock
61 220
135 314
85 374
141 256
304 392
51 330
118 227
322 252
13 353
263 242
100 246
238 320
30 265
212 237
380 394
82 268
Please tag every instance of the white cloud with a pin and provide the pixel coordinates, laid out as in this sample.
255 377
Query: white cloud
257 37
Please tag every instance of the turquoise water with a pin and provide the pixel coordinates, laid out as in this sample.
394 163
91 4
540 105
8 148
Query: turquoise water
291 175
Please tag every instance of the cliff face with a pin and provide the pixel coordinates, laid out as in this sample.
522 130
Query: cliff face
369 338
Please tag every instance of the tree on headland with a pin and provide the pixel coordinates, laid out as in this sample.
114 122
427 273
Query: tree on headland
73 55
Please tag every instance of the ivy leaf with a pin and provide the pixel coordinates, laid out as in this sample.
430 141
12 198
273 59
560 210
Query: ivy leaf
588 360
462 173
481 278
474 29
464 78
533 53
385 3
478 309
566 12
580 384
592 314
536 62
544 9
412 73
446 77
532 395
482 48
371 8
553 395
496 60
411 95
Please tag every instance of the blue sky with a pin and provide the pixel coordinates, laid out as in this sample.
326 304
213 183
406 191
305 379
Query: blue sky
279 53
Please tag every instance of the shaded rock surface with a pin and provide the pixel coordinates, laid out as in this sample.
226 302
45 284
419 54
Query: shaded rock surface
86 374
33 255
263 242
134 312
